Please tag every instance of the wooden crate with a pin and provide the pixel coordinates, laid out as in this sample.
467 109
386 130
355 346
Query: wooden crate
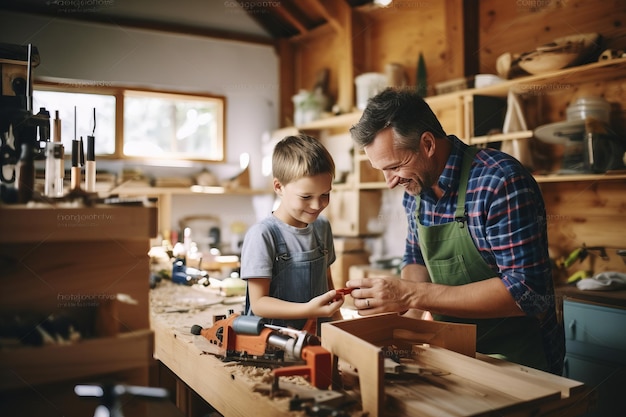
463 384
354 212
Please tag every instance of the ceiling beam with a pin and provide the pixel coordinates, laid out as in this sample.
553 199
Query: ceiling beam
138 23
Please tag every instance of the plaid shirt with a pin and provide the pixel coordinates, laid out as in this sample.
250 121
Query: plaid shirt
507 222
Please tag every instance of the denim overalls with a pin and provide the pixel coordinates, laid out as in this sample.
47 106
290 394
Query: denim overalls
296 276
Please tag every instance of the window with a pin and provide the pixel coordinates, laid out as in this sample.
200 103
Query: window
135 123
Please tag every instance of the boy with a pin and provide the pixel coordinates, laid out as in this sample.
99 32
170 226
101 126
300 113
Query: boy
285 258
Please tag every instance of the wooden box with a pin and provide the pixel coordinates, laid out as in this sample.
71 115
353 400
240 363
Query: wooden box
454 382
354 212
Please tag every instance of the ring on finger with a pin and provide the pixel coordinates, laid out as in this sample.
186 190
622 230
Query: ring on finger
367 302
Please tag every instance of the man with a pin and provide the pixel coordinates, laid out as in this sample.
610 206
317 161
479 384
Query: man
476 248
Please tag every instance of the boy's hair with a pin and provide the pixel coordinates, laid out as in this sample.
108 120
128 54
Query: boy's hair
300 156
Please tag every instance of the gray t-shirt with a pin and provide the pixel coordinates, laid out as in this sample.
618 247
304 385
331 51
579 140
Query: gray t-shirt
259 249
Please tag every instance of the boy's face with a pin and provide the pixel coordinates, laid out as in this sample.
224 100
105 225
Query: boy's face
303 200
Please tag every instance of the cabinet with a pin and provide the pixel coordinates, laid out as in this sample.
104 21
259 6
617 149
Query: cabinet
596 352
90 266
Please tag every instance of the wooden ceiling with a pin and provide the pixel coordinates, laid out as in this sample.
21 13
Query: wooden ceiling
256 21
288 18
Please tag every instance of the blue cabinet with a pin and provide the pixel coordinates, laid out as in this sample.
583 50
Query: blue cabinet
595 339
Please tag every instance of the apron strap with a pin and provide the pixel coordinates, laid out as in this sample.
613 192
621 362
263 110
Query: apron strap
468 156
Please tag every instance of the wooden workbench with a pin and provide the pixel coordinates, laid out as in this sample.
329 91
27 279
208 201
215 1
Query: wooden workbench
230 388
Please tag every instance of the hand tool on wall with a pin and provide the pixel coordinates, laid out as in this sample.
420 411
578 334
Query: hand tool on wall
249 338
579 255
90 164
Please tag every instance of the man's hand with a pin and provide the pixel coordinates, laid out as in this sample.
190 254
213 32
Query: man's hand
381 295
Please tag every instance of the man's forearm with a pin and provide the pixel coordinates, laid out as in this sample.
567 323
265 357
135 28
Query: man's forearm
484 299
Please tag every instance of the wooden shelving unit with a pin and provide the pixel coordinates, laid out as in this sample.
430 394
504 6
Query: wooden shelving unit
91 266
453 110
165 195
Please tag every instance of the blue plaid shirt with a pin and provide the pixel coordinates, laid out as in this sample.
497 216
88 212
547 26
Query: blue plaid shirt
507 221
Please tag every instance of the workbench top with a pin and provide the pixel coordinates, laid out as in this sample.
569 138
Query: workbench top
229 387
233 389
613 298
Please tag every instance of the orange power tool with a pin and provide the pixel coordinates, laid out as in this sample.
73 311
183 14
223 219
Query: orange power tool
249 338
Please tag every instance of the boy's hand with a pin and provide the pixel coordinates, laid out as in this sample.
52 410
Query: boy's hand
326 304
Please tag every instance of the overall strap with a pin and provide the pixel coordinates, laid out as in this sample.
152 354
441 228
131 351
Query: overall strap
277 237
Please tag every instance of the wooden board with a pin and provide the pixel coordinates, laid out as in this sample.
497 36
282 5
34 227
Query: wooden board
57 224
25 367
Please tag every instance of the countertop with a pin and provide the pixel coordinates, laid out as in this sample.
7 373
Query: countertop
613 298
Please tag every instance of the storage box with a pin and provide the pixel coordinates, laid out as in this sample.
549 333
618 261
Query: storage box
340 269
354 212
451 379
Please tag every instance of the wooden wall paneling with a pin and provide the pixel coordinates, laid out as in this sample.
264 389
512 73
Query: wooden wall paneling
589 213
466 32
400 32
343 23
518 27
314 54
287 77
328 47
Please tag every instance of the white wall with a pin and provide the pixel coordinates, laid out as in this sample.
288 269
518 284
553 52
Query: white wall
246 74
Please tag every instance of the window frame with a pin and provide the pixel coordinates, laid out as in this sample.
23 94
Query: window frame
119 92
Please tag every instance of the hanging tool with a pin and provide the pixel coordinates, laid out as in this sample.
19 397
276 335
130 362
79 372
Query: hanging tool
90 164
249 338
578 254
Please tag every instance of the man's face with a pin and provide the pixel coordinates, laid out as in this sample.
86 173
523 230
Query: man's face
303 200
410 169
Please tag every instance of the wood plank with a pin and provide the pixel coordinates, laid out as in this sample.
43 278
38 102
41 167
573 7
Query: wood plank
25 367
484 374
56 224
287 77
364 356
75 277
448 395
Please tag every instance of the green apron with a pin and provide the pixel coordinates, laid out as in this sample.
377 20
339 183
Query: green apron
452 259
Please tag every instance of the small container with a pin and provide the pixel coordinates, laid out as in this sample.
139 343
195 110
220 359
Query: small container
589 107
485 80
367 86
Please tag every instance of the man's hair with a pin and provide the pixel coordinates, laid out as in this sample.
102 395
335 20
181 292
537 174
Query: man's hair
404 111
300 156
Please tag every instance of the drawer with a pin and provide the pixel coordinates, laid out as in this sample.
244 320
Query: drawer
595 325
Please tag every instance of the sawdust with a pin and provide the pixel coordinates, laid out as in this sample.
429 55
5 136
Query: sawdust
263 375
